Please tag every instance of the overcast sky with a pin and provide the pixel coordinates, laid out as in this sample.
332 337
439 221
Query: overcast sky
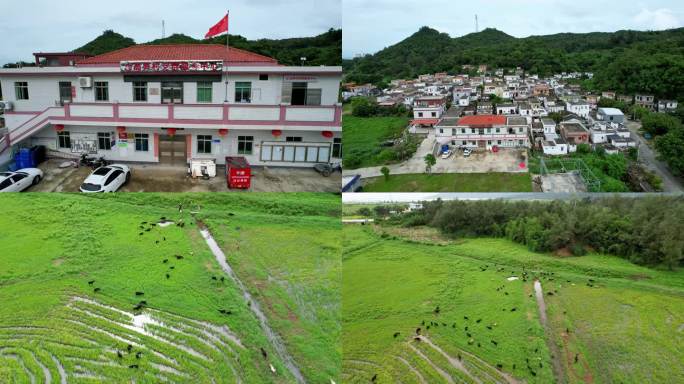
371 25
28 26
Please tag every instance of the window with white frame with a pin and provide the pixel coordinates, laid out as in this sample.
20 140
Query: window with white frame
104 141
21 90
243 91
139 91
245 144
142 142
101 91
293 138
203 143
63 139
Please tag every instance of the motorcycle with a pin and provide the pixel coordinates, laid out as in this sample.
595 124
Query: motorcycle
92 162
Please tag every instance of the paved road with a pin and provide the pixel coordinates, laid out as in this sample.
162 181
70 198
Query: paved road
647 157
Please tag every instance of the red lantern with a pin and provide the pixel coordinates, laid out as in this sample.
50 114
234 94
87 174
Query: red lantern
121 129
327 134
171 131
276 132
223 132
59 127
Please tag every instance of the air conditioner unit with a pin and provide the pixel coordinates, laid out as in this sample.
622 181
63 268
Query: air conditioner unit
6 105
85 82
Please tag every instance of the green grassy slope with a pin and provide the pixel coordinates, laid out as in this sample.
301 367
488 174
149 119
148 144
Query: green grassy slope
54 244
363 136
625 328
452 182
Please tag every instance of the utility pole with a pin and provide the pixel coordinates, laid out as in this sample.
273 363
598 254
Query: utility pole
163 30
477 28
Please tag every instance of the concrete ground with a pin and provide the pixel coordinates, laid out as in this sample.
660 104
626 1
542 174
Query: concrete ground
563 182
159 178
506 160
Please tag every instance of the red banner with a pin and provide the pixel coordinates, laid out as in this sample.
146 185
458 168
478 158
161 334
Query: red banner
171 66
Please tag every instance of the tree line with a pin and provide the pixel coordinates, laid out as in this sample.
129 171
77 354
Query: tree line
647 231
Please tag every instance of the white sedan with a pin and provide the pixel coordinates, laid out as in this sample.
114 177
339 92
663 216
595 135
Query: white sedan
106 179
19 180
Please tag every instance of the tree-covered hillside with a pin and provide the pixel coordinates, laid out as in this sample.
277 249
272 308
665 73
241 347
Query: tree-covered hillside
624 61
324 49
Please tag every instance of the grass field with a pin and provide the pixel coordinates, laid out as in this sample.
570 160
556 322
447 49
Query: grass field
626 327
58 249
363 136
451 182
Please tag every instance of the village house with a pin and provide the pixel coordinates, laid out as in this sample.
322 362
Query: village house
485 108
506 109
608 95
574 133
612 115
172 103
579 108
625 99
555 147
549 128
483 132
427 110
667 105
646 101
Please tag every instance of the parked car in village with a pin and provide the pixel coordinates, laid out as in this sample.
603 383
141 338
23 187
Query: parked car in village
19 180
467 152
446 154
106 179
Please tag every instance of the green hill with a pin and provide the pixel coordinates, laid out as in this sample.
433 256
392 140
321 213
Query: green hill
625 61
324 49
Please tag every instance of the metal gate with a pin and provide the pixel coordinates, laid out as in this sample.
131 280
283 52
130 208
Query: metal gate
172 150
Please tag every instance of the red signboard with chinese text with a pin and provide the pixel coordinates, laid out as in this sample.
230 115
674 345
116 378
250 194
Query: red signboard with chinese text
172 66
238 172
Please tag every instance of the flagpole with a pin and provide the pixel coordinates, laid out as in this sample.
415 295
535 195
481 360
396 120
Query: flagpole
227 51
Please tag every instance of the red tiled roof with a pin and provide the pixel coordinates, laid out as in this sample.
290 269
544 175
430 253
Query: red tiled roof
482 120
179 52
424 121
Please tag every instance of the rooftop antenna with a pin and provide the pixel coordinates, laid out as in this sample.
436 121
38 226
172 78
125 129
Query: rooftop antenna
163 30
477 28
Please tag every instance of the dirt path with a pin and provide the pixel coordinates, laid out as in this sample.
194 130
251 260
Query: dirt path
441 372
273 338
412 369
556 361
60 368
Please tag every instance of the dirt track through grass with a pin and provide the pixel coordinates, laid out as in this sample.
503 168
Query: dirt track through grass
254 306
556 359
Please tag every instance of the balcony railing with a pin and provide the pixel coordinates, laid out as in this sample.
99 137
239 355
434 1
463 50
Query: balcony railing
213 116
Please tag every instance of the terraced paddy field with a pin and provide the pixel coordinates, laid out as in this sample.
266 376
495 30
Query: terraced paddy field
148 288
417 310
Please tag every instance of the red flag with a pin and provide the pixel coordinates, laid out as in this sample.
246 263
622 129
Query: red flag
218 28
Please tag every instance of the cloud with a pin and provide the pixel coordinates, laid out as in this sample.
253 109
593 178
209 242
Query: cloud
662 18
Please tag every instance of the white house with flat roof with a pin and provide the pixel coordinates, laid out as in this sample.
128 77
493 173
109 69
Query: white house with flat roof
171 103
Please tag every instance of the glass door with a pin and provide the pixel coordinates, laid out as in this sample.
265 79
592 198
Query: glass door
172 92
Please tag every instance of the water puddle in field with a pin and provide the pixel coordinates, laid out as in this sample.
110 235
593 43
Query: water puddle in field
165 223
512 278
139 321
273 338
539 294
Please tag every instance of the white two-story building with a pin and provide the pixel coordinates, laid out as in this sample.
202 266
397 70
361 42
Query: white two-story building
171 103
484 132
